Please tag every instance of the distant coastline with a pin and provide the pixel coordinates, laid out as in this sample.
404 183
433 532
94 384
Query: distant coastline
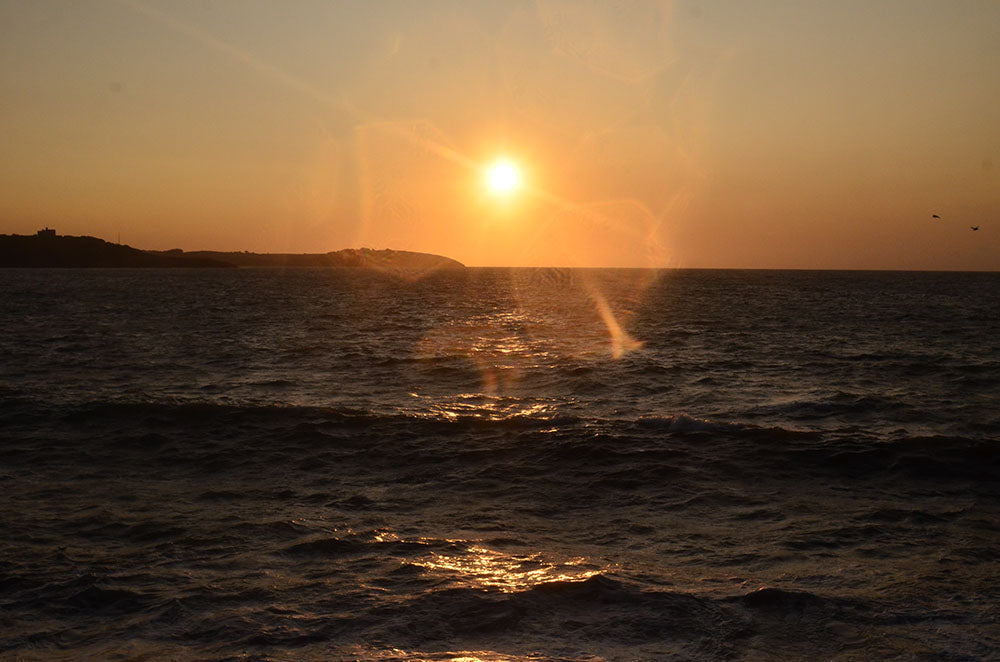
47 249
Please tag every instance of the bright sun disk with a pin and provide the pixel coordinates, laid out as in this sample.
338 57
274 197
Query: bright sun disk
503 176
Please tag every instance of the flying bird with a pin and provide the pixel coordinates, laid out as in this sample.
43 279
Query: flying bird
935 216
975 227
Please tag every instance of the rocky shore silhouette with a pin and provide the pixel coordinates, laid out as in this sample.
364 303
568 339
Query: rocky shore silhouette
48 249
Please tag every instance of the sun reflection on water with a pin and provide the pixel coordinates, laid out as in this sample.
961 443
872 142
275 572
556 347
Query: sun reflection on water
487 568
541 319
399 655
484 407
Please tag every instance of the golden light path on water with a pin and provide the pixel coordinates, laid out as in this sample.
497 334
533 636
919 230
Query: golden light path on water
548 317
505 176
399 655
473 564
487 568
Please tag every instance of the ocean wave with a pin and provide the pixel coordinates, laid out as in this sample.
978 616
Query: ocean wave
685 424
214 438
87 593
334 547
932 459
783 605
598 609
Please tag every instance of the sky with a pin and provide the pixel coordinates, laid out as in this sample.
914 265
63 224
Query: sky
688 133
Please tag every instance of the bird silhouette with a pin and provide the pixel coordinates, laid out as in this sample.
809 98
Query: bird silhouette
975 227
935 216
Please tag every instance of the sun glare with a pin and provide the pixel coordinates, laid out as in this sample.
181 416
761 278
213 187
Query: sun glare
503 177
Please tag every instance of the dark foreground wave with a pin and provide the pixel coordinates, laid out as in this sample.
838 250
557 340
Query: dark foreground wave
598 618
653 444
194 530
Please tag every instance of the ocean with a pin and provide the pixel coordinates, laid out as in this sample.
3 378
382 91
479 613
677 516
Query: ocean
499 464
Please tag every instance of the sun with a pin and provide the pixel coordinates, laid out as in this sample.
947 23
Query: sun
503 177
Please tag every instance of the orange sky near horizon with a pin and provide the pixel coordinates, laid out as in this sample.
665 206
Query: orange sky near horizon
781 134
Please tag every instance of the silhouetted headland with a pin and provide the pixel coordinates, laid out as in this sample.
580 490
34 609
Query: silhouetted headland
348 257
47 249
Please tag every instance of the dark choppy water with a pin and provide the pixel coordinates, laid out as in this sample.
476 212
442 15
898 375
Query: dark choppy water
499 465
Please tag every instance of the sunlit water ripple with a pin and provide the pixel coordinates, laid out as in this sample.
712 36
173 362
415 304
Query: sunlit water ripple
499 465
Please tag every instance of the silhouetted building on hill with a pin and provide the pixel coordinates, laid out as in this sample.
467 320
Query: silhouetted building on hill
47 232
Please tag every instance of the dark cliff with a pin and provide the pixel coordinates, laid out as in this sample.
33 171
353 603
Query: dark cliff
349 257
47 249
